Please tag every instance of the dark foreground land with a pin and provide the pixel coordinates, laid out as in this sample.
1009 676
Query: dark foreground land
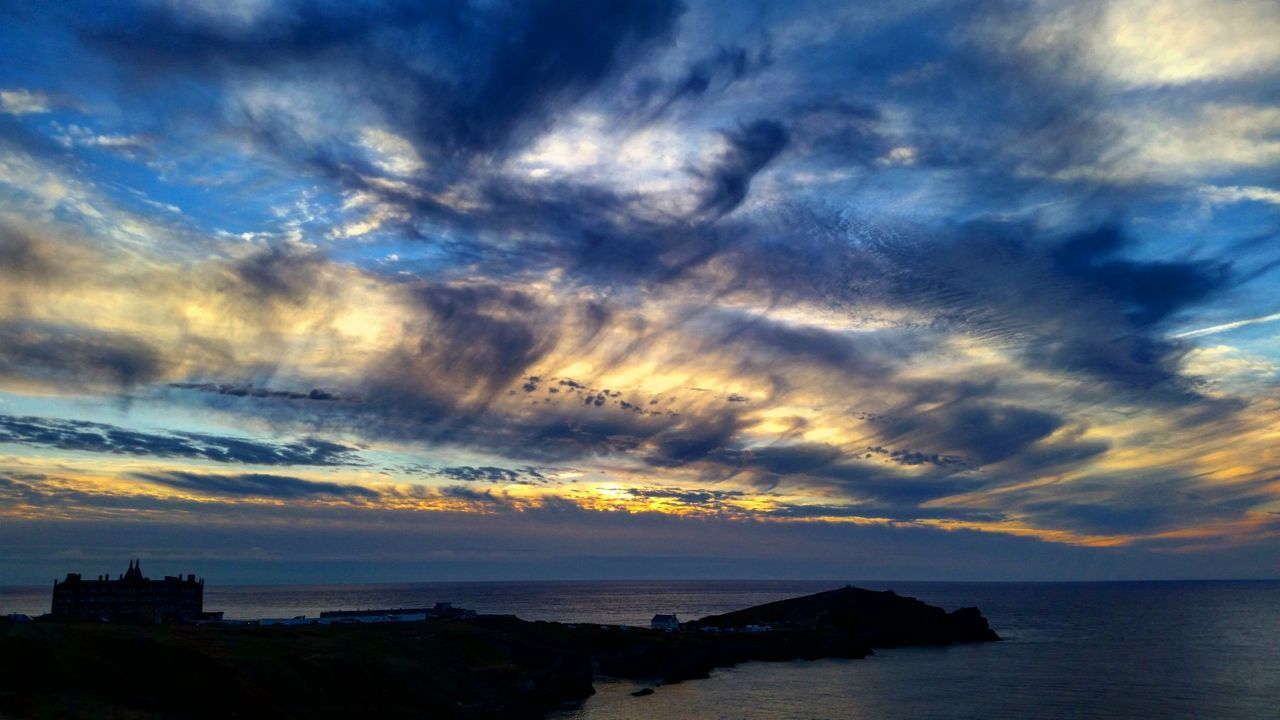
485 667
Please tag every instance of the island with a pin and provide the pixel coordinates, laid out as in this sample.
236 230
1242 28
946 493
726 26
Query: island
487 666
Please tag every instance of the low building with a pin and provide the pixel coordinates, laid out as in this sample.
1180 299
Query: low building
668 623
442 610
130 596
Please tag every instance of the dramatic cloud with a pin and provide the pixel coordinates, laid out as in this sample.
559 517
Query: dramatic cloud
100 437
750 149
466 473
956 280
280 487
76 355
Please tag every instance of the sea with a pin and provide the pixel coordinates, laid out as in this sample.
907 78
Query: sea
1071 650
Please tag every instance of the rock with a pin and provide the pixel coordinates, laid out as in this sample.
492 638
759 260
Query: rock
880 619
968 625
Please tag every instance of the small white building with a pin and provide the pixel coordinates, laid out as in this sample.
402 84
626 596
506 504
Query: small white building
668 623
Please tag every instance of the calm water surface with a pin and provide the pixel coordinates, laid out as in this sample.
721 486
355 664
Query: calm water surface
1072 650
1088 650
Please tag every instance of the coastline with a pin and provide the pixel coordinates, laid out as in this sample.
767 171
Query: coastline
489 666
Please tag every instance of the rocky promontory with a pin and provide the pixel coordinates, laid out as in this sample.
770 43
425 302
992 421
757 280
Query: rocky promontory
880 619
483 667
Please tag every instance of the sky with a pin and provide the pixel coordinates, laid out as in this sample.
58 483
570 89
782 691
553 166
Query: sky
320 291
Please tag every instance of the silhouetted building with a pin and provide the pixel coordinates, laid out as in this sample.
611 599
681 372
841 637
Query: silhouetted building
670 623
129 596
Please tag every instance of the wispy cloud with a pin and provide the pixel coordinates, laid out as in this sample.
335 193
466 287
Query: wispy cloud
721 270
23 102
1225 327
86 436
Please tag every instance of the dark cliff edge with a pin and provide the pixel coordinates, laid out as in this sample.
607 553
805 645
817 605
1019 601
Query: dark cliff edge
486 667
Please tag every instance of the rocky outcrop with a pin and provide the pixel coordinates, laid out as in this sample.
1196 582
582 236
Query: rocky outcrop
879 619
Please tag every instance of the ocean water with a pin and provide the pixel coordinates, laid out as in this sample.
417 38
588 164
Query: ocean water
1071 650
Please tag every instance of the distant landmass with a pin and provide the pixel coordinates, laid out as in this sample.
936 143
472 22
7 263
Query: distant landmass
488 666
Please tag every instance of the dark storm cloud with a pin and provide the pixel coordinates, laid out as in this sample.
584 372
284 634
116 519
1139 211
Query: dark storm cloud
977 100
1127 301
1075 305
24 257
963 424
1133 297
650 97
459 77
481 498
563 50
686 497
308 451
913 457
254 485
76 355
277 273
601 236
859 476
882 486
840 132
804 458
750 148
1148 291
250 390
985 433
448 81
562 434
727 65
465 84
689 443
491 474
488 331
1054 456
1142 503
101 437
1034 118
466 344
789 344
